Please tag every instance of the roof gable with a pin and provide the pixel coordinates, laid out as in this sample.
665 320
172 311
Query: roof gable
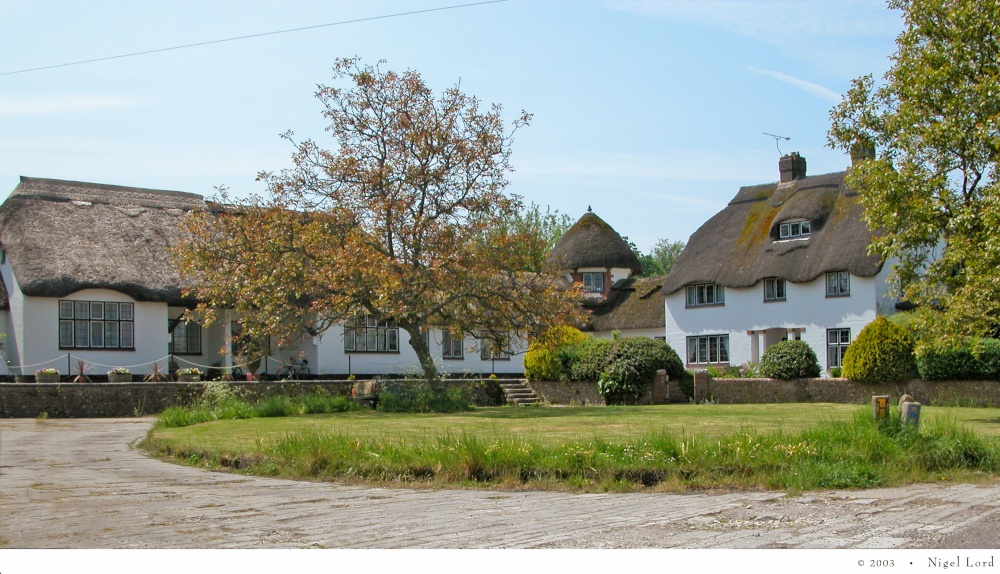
591 242
740 245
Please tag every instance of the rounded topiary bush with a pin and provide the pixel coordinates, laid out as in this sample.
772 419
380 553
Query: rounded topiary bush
631 364
541 362
882 353
789 360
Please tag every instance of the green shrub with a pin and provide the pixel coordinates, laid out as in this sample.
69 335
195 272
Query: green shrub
541 362
987 353
970 359
882 353
631 364
586 360
423 397
789 360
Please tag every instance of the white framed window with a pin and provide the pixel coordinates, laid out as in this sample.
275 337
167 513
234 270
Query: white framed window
96 325
593 282
774 289
708 349
794 229
369 335
185 338
452 347
837 341
705 294
838 284
489 350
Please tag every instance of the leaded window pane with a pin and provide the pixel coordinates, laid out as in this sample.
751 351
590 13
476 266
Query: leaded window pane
66 333
82 333
82 310
65 309
125 311
111 334
126 335
96 333
97 310
111 311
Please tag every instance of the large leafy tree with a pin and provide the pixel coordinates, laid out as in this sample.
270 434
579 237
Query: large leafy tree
932 195
402 221
665 252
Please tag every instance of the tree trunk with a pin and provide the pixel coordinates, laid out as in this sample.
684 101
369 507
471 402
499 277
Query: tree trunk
419 344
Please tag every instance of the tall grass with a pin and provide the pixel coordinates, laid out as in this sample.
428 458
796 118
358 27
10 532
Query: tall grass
857 453
223 402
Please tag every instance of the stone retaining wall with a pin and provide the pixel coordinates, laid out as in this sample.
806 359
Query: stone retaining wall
96 400
744 391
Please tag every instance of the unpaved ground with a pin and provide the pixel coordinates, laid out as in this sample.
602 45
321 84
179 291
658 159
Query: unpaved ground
81 484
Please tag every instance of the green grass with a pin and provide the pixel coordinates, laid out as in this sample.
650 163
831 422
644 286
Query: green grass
783 446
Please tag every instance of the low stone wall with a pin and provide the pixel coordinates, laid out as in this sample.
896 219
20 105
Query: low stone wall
97 400
746 391
567 392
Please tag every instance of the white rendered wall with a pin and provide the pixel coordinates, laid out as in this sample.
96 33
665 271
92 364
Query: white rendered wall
331 358
806 307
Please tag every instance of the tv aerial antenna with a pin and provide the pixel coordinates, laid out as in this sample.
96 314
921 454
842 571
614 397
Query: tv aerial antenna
777 138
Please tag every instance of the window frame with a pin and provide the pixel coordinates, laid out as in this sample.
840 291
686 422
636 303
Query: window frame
697 345
195 336
373 334
779 290
841 286
448 349
486 346
838 348
584 275
93 321
795 229
697 295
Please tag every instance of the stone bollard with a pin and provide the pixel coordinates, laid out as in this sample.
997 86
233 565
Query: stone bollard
910 413
880 407
660 393
702 388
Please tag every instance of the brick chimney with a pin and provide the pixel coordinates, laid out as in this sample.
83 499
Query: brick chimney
792 167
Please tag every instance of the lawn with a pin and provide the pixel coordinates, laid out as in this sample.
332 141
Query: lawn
677 447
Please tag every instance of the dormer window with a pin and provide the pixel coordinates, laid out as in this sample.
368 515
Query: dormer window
593 282
794 229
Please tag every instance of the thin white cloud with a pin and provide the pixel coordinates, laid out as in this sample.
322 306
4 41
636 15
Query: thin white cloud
804 85
62 104
773 20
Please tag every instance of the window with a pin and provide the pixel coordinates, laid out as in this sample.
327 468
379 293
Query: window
593 282
705 294
185 338
838 284
708 349
794 229
490 350
774 289
369 335
837 341
452 348
96 325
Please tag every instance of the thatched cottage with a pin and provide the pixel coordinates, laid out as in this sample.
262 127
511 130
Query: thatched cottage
87 275
591 253
784 260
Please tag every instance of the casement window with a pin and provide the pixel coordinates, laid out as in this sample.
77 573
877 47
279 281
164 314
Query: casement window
593 282
452 347
185 338
837 341
489 350
96 325
708 349
794 229
774 289
838 284
369 335
705 294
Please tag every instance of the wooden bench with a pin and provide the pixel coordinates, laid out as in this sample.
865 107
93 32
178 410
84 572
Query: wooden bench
365 392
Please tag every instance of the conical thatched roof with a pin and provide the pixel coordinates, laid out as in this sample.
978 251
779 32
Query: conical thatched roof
592 243
740 246
633 303
64 236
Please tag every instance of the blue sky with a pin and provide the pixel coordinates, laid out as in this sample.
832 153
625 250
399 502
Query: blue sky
651 111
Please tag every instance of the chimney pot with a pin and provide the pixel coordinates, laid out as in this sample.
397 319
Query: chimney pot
792 167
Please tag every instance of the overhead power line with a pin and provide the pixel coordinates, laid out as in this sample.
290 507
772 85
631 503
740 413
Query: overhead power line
249 36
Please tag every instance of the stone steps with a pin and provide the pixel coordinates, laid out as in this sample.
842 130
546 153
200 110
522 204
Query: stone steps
518 393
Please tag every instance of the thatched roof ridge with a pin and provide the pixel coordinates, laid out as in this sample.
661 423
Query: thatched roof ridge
64 236
591 242
633 303
739 246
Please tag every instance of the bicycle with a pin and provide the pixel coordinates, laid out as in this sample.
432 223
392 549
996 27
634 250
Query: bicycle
296 370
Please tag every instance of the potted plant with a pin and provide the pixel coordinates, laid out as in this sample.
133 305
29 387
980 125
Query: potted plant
188 375
155 375
47 375
119 375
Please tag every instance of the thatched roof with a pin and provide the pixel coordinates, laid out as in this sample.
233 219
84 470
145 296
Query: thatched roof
592 243
633 303
739 246
64 236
